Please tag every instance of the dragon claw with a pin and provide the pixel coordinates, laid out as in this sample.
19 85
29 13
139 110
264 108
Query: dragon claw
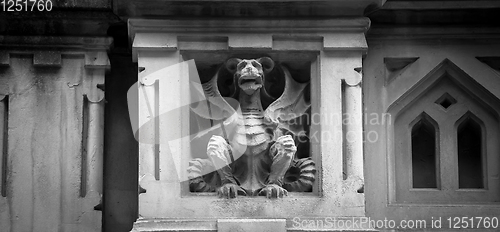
230 191
286 144
273 191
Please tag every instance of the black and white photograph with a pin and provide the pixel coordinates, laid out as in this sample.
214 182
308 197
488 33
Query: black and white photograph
249 115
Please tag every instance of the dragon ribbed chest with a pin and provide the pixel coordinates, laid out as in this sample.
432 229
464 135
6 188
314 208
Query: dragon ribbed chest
251 132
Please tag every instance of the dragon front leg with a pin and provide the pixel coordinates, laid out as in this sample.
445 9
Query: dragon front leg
219 152
282 153
202 176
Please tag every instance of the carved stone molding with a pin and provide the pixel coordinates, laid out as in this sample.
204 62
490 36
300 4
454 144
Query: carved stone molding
429 34
47 50
243 8
65 42
342 34
236 224
433 5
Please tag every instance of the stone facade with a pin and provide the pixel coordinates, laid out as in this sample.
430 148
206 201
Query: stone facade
383 76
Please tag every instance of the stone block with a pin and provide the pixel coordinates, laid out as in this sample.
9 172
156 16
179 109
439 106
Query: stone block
47 58
97 59
251 225
345 41
245 41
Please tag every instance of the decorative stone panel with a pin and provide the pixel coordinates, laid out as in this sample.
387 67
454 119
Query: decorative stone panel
440 79
333 51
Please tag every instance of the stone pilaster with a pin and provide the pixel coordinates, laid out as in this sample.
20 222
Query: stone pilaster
53 117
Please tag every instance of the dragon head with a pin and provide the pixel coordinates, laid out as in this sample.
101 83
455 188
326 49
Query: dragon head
249 74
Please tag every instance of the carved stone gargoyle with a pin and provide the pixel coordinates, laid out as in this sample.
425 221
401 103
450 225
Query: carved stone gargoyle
267 165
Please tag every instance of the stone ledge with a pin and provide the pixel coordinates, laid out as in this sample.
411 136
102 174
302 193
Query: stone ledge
158 225
345 24
94 59
58 22
428 34
340 34
236 224
249 225
47 50
52 42
243 8
434 5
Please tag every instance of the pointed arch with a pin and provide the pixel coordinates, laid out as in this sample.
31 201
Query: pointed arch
425 152
438 141
446 69
471 151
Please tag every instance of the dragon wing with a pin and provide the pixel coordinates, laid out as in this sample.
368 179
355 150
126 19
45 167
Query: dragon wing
217 115
286 112
212 105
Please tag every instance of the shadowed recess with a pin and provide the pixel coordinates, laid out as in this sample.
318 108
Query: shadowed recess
423 149
470 168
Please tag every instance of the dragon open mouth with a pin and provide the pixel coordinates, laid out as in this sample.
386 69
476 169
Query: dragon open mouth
247 81
249 84
250 80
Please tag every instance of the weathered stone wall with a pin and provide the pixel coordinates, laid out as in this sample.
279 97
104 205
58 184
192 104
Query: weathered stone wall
52 134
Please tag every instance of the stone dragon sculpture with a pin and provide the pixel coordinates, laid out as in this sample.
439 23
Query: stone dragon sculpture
252 153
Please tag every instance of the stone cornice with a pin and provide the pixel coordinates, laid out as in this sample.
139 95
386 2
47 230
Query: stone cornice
47 50
243 8
55 42
438 13
57 23
439 5
249 25
224 34
429 34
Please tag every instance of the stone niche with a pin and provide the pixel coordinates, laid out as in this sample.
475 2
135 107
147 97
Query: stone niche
325 53
286 82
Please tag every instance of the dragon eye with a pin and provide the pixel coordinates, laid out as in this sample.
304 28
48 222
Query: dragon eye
256 64
242 65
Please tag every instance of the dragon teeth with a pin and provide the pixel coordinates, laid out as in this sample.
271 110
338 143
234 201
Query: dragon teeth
252 130
251 140
251 122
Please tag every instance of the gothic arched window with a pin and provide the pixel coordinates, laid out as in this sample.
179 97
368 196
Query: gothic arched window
424 153
470 141
445 146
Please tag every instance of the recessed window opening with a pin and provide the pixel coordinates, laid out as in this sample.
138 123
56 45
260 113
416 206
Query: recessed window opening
470 163
423 149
